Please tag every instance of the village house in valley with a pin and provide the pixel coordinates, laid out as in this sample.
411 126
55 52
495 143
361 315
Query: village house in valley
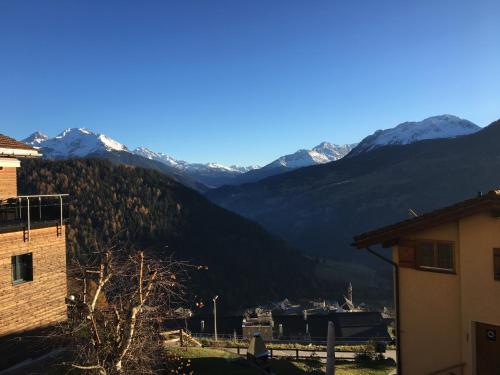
32 252
447 286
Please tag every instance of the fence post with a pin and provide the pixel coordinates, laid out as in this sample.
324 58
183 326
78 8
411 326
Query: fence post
29 220
297 354
181 338
238 350
330 350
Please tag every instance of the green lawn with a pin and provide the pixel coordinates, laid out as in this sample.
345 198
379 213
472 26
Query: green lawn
205 361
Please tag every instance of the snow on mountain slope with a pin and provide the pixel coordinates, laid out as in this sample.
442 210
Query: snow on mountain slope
322 153
190 167
74 142
81 142
158 156
35 139
219 167
333 152
443 126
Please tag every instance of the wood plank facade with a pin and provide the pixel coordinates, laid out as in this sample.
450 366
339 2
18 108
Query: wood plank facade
8 182
40 302
33 280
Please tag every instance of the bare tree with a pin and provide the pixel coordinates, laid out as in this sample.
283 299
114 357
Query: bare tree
120 301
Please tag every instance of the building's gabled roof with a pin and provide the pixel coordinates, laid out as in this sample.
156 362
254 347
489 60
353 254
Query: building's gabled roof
10 147
389 235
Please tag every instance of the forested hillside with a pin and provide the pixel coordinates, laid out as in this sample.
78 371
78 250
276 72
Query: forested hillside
116 203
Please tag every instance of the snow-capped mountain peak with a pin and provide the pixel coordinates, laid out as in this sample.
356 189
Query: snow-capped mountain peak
82 142
74 142
320 154
443 126
333 152
35 139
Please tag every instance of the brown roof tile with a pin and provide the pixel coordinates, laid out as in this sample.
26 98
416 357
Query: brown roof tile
8 142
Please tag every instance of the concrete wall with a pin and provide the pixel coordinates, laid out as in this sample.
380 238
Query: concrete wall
430 311
8 182
479 234
438 310
40 302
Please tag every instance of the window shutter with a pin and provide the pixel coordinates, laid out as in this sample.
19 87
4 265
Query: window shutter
406 253
496 264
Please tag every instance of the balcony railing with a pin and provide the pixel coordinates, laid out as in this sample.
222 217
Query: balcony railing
32 211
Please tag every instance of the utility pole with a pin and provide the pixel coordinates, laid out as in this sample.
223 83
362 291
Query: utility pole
330 350
215 316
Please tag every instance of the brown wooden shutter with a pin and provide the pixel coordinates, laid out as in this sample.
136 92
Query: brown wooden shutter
496 264
407 253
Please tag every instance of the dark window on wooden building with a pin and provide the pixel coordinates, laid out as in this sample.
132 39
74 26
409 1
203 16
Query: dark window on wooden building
435 255
496 264
427 255
22 268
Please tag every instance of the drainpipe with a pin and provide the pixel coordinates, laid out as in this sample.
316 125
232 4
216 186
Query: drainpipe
396 301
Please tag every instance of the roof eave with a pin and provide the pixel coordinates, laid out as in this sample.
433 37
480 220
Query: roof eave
18 152
389 235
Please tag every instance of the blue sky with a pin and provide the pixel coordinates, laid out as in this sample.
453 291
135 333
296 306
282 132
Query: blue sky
244 81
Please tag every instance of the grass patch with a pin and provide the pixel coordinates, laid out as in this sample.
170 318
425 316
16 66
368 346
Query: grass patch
208 361
224 343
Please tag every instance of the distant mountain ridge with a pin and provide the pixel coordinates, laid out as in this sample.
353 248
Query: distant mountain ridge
436 127
81 142
323 153
211 174
320 208
74 142
36 139
167 159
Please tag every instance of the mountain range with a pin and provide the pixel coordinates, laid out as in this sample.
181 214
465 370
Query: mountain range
313 204
319 209
81 142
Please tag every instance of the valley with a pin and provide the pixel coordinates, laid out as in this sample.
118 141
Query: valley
314 200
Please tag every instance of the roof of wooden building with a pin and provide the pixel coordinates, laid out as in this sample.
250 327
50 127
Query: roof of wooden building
390 234
11 143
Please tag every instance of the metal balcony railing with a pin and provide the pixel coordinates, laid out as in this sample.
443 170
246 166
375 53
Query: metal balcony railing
32 211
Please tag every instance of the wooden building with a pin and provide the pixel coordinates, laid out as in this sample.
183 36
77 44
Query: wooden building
32 250
447 287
